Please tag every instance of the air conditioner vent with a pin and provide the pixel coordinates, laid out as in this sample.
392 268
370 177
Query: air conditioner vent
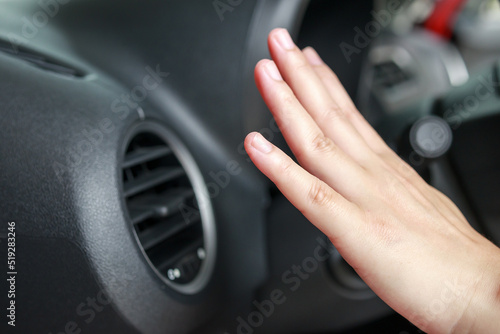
163 210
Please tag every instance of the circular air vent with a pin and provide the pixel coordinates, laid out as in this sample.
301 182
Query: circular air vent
168 207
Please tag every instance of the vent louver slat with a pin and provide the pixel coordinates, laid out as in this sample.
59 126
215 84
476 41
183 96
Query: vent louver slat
158 206
152 179
162 208
187 249
145 154
161 232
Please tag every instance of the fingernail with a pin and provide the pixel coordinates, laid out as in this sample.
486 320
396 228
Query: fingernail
273 71
312 56
261 144
284 39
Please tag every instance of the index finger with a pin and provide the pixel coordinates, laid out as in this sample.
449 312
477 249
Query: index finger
329 211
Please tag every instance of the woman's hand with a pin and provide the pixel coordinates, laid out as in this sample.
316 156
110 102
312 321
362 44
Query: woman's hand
405 239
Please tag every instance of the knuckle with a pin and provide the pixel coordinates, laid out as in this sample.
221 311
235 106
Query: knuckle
319 194
286 112
404 168
384 228
351 113
333 113
287 100
284 99
322 144
286 168
328 76
299 62
389 186
387 155
407 172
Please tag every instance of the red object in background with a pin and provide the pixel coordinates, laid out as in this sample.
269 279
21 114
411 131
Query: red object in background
443 16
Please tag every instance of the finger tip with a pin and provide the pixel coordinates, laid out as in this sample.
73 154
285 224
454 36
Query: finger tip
272 41
264 70
248 140
276 30
260 64
255 142
258 69
250 136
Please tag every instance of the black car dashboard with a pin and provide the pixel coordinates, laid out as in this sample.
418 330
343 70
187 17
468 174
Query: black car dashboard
126 194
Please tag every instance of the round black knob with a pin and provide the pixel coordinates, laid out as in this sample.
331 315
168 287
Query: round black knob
430 137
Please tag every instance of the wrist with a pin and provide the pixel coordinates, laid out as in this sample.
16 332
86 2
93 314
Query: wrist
482 313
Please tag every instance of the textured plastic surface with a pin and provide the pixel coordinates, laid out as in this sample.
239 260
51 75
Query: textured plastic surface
80 124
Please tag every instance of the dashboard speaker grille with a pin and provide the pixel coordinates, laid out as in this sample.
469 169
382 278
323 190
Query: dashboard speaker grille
163 209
